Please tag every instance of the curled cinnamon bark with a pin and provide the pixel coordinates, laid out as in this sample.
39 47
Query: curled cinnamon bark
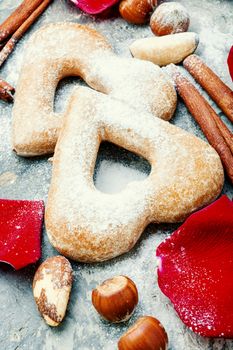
211 83
17 18
16 25
9 47
226 133
206 117
6 91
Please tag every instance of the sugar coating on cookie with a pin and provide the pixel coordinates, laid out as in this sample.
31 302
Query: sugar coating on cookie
70 49
169 18
87 225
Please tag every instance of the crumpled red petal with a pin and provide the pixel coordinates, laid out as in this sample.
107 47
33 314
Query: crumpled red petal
196 270
230 62
94 7
20 231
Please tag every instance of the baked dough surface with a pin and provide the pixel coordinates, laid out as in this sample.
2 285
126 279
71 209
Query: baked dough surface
83 223
87 225
68 49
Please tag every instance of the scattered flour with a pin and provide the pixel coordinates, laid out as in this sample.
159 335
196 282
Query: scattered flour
82 328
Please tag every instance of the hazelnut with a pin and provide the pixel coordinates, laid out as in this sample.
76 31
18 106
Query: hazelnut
137 11
169 18
146 334
115 299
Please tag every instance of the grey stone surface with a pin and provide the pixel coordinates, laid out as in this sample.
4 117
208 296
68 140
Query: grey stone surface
21 327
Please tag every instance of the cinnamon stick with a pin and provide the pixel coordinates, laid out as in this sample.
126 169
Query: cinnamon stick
205 116
9 47
211 83
6 91
226 133
17 18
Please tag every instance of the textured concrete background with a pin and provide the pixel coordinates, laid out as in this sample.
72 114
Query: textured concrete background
21 327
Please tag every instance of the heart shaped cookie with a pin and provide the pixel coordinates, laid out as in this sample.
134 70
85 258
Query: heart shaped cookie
88 225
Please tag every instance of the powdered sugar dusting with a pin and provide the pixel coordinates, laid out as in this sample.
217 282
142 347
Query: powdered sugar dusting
87 225
83 328
111 185
139 83
171 15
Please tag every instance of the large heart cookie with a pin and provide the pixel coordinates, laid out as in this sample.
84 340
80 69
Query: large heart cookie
88 225
68 49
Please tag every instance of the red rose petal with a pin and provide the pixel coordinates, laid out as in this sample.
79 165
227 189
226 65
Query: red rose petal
196 270
94 7
230 62
20 231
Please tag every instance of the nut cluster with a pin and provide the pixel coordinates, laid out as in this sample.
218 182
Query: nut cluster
115 300
167 18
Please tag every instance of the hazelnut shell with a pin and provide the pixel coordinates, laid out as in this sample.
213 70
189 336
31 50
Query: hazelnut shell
137 11
146 334
115 299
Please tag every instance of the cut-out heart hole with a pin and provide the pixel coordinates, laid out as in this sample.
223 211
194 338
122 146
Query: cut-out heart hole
196 270
64 90
116 167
